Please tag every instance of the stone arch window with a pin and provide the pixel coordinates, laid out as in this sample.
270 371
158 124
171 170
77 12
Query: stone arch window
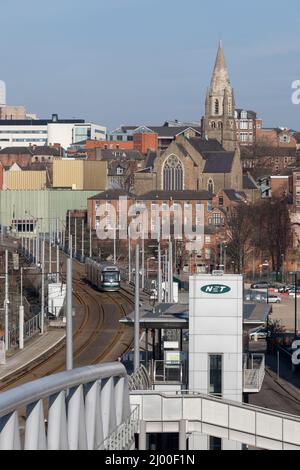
210 186
213 124
217 107
173 174
220 125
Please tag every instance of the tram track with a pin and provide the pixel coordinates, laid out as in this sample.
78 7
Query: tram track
98 336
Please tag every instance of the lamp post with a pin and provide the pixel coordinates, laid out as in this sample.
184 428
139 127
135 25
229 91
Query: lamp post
295 274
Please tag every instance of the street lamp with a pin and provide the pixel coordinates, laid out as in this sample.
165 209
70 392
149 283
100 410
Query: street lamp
296 287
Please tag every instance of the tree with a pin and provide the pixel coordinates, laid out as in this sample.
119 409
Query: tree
274 227
238 235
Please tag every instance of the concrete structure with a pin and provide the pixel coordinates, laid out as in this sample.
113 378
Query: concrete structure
100 413
25 132
216 341
24 180
2 93
80 174
36 211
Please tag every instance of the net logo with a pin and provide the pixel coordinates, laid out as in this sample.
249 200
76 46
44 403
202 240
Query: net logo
215 289
296 355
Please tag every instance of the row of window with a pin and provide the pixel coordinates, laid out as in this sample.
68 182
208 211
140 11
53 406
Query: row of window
23 132
246 125
245 137
29 140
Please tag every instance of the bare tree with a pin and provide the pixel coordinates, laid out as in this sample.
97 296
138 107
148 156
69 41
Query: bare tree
238 235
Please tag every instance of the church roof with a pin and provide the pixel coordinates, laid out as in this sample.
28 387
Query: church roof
203 145
218 162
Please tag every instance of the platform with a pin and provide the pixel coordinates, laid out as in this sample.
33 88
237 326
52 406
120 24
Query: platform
34 349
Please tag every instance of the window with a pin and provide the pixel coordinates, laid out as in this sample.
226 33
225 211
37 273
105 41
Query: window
210 186
215 374
213 124
220 125
173 174
217 107
207 240
243 124
244 114
284 138
217 220
221 201
215 443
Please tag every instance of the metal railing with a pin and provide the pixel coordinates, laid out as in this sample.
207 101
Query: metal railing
31 328
124 437
73 410
139 380
168 371
254 372
258 427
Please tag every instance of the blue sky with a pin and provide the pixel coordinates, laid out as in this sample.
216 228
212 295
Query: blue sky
145 61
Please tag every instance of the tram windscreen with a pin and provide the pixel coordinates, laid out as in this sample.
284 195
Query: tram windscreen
111 277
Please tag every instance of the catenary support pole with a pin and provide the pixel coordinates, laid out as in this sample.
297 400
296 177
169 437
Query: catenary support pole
170 289
159 274
69 239
91 238
129 255
137 309
6 302
43 288
82 240
57 264
69 332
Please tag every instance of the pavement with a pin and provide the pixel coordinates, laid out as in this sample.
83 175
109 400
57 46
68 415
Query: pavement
278 393
35 348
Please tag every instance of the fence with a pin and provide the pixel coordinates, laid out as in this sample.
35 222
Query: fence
31 328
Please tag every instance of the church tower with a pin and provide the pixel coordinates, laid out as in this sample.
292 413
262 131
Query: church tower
219 119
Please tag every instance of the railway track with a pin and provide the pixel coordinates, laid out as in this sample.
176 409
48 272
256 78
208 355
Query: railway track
98 335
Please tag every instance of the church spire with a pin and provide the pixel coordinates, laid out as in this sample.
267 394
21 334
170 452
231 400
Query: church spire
220 79
219 122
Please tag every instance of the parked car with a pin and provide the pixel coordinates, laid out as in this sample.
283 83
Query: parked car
260 285
260 333
274 299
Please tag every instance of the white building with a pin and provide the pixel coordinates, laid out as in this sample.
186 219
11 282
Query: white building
216 343
2 93
25 133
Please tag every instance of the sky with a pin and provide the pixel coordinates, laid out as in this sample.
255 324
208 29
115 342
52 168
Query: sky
136 62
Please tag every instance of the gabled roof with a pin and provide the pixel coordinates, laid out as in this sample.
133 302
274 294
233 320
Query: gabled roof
151 157
112 194
249 182
169 132
233 196
16 151
109 155
203 145
218 162
176 196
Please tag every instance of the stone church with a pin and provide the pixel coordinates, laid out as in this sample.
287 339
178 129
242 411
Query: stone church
211 162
